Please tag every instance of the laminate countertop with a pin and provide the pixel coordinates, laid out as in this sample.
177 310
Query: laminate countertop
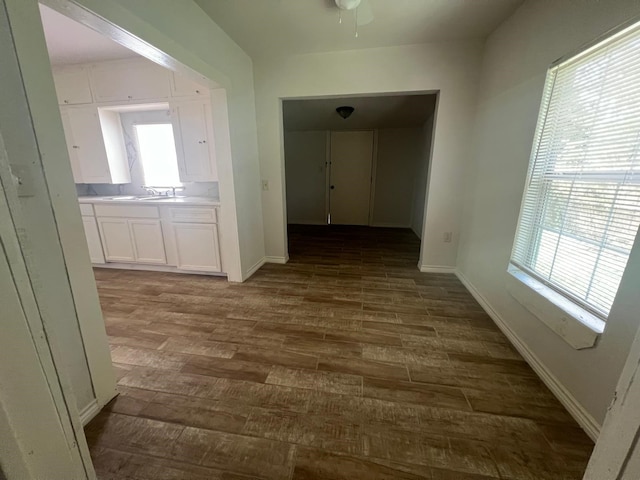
150 200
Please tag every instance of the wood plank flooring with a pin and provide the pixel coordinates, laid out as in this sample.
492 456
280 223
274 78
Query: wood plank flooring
346 363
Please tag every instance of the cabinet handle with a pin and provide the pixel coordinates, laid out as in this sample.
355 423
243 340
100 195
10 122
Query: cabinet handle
197 91
66 101
204 141
76 146
129 96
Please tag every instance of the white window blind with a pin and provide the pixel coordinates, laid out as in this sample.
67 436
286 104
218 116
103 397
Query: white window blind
581 206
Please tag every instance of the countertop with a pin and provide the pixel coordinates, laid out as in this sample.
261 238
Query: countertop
149 200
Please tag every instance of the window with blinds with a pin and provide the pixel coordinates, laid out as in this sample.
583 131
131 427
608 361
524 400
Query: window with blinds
581 206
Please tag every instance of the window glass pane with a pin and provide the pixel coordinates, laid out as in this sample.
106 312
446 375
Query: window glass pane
581 208
157 153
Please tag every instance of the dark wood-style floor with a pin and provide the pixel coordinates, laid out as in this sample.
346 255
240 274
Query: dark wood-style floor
346 363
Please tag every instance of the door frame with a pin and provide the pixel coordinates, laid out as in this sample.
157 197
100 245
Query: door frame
282 165
57 448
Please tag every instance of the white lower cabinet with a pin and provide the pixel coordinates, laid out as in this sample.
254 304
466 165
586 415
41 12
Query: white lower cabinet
132 240
197 246
183 238
148 244
116 240
93 239
191 237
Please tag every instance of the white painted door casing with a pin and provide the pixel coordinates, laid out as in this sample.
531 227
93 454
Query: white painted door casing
351 154
193 134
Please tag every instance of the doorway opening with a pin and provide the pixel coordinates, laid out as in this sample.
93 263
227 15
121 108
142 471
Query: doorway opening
369 170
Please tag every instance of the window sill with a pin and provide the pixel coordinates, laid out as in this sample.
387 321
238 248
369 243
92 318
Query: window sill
575 325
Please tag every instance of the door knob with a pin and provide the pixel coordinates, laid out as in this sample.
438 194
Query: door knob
332 187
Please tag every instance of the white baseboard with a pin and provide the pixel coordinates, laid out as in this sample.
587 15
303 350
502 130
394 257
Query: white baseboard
254 268
436 269
155 268
577 411
281 260
89 412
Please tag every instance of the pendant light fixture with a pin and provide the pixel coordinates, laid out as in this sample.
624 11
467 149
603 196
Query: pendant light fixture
349 5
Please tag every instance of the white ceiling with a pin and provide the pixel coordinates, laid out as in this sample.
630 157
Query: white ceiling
277 27
390 111
70 42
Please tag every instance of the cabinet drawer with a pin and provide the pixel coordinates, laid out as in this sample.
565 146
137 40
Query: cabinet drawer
193 214
127 211
86 209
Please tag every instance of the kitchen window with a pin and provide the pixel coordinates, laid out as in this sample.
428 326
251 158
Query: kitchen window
581 207
157 153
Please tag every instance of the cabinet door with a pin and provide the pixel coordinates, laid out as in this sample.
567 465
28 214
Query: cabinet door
147 239
72 86
93 240
88 143
185 87
197 247
193 133
72 148
116 240
129 81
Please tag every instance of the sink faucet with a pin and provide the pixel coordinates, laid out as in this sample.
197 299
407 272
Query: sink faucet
162 190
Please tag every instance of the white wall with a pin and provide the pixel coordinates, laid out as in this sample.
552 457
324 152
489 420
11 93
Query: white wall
513 73
398 164
398 159
422 178
306 155
450 68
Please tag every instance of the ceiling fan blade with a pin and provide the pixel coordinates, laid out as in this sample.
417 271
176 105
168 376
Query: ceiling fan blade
365 13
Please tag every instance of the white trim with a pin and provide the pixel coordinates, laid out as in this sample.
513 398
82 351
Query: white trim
280 260
576 326
577 411
254 268
89 412
155 268
436 269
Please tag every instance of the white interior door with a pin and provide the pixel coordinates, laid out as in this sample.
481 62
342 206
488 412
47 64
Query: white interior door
350 186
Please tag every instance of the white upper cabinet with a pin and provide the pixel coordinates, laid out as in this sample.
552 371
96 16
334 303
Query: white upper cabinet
193 132
185 87
72 85
129 81
72 148
96 145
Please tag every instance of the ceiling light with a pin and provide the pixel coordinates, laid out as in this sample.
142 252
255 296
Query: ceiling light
345 111
347 4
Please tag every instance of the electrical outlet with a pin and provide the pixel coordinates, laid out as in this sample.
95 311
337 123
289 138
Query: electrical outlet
447 237
265 185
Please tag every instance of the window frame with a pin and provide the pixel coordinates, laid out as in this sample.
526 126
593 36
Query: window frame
570 317
135 124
